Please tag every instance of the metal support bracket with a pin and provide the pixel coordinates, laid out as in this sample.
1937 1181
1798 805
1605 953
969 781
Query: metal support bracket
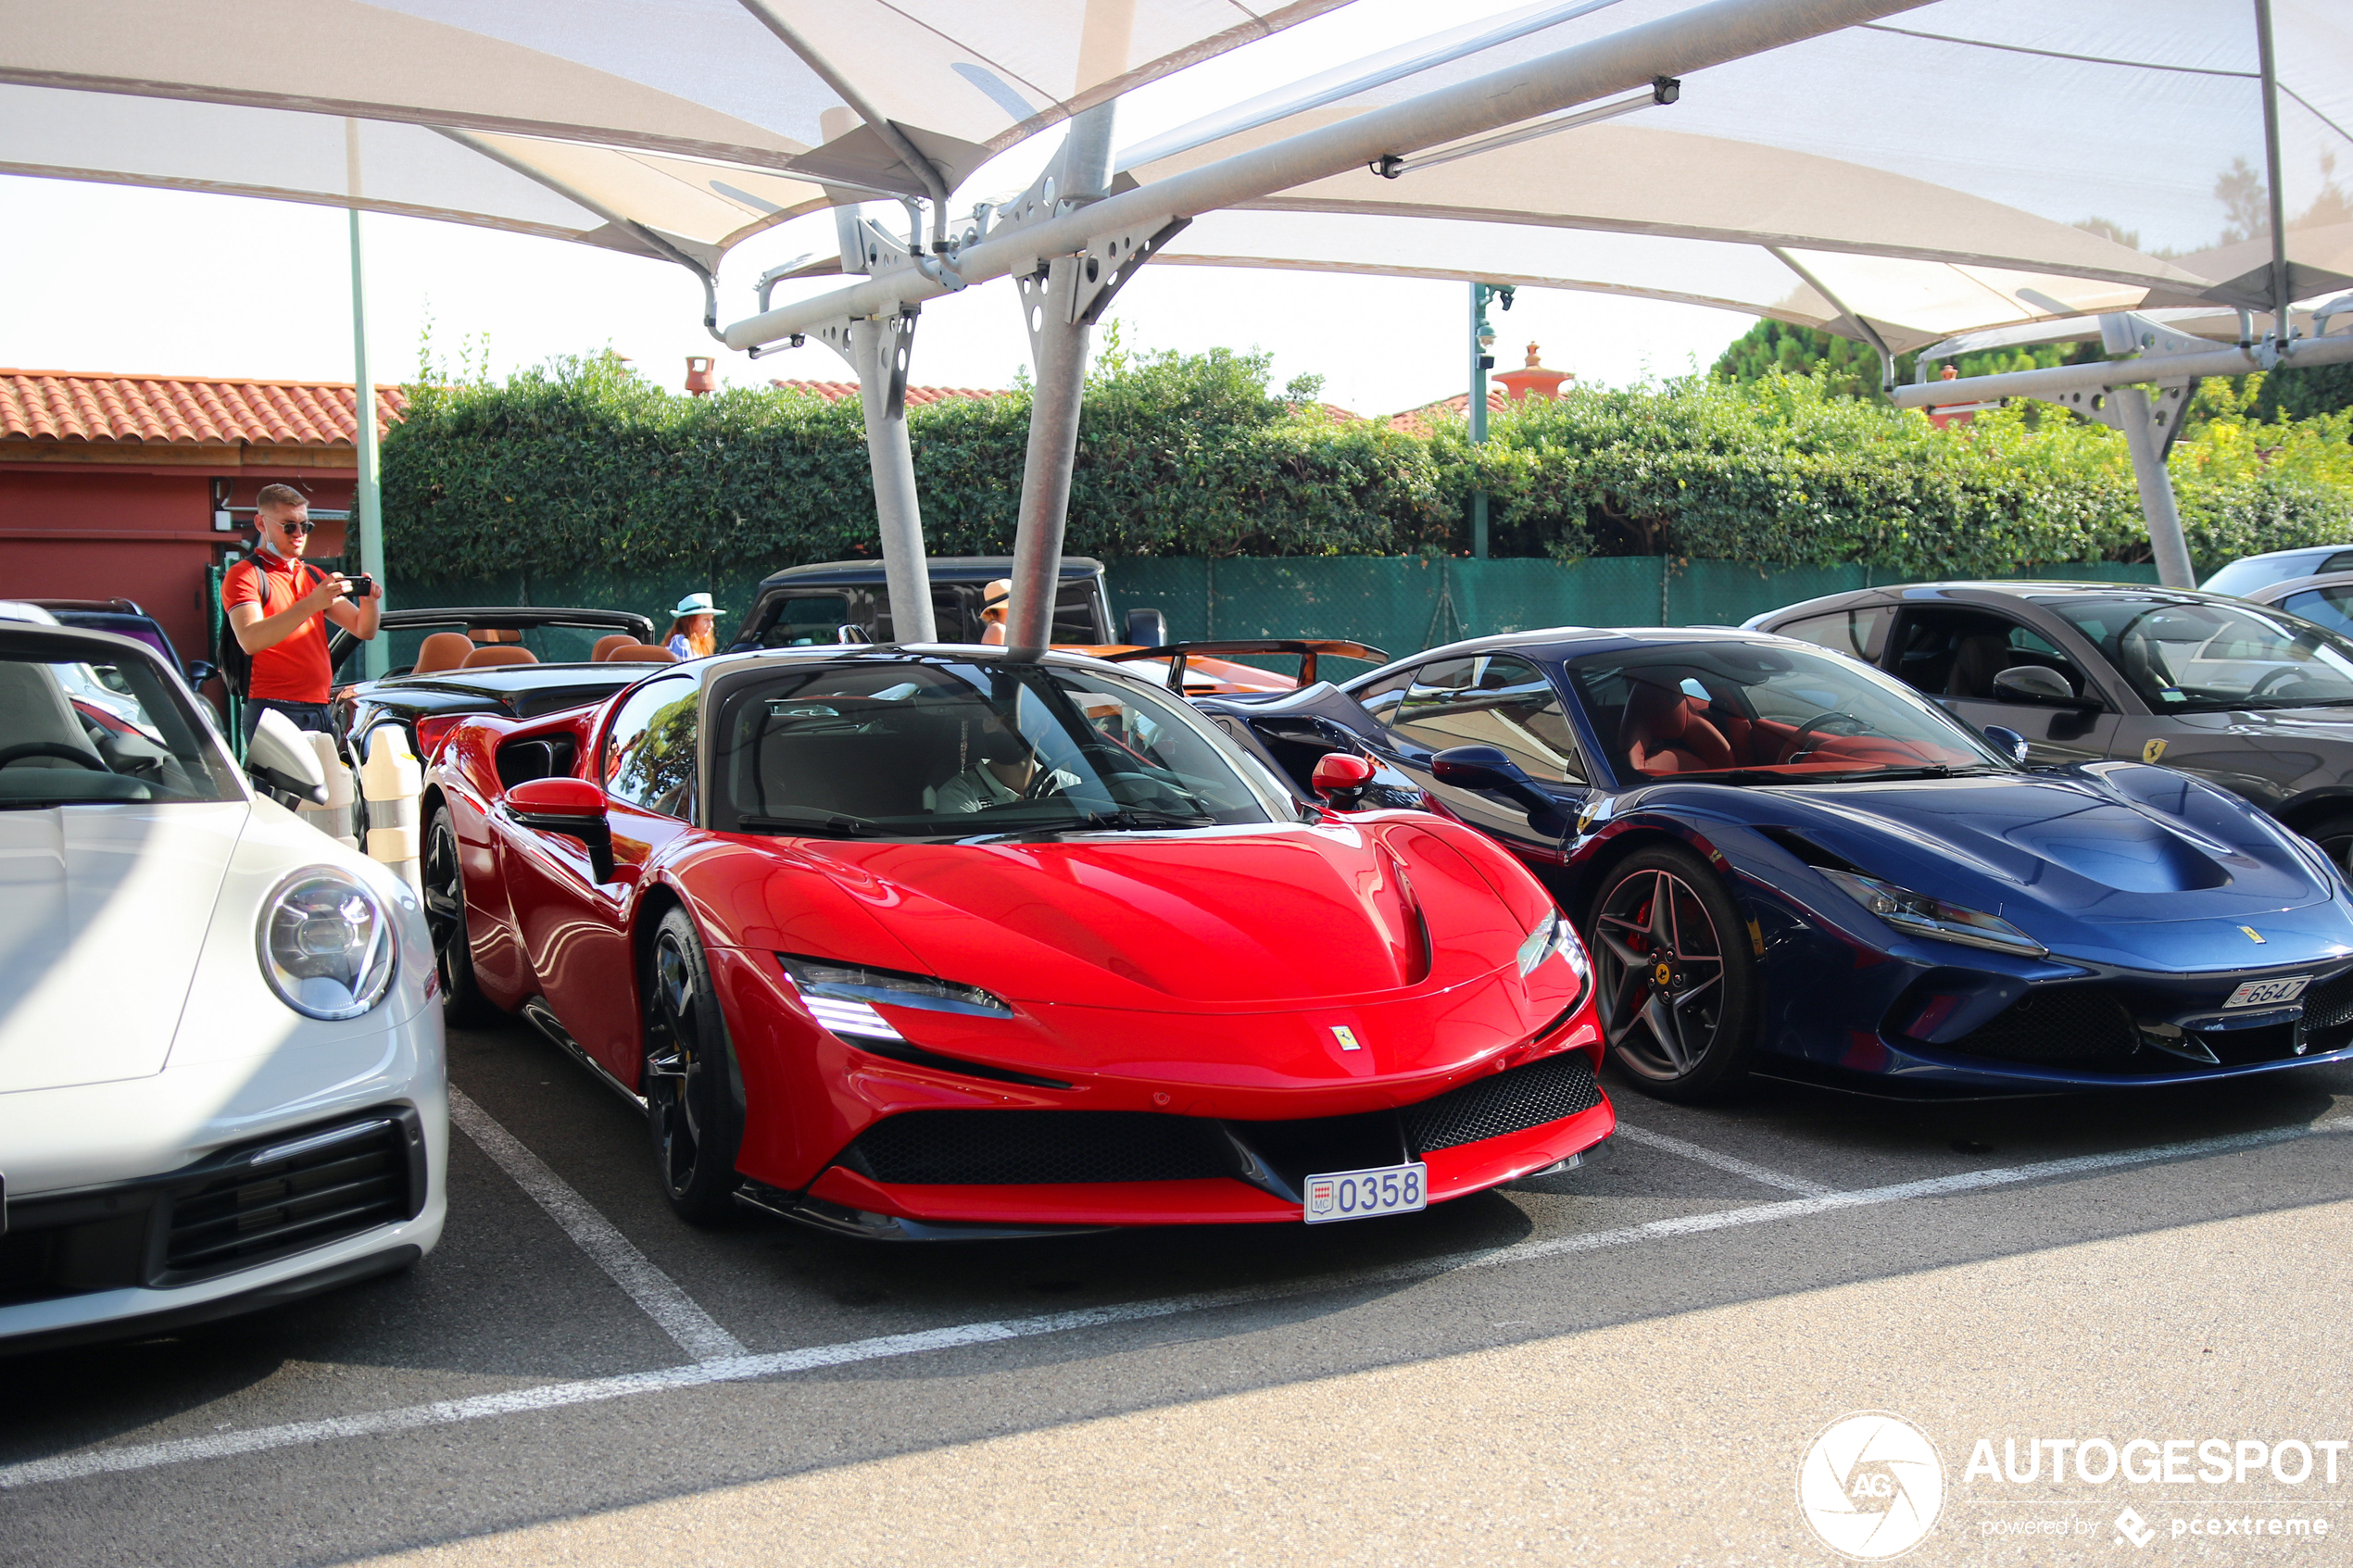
843 337
1077 290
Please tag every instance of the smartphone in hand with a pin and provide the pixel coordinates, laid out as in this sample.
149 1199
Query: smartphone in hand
359 587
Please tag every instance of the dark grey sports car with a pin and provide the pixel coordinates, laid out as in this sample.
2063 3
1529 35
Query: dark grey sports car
2245 697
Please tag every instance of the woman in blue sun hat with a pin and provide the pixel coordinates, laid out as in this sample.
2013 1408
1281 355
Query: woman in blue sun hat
692 627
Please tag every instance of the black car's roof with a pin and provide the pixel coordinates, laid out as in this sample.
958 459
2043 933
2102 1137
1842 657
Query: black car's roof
943 569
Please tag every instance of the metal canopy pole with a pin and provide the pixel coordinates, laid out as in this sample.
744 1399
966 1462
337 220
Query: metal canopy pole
877 348
2130 409
2267 65
1482 342
1061 327
2137 421
375 654
1672 46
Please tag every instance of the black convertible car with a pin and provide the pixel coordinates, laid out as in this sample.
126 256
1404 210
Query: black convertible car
460 660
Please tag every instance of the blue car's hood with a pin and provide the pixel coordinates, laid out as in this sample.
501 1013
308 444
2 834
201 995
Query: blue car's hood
2113 861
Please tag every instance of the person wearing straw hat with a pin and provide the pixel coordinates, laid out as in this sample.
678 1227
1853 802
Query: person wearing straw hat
692 623
995 602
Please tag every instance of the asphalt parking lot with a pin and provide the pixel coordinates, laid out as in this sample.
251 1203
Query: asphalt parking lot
1623 1362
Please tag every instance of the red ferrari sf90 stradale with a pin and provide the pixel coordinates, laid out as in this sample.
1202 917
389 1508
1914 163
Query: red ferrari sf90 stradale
929 943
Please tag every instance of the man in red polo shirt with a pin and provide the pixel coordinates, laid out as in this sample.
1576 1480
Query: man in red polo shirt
279 605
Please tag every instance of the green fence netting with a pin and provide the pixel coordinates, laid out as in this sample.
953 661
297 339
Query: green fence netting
1400 603
1405 604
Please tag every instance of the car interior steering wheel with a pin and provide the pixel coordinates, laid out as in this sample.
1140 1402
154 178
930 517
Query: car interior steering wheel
2281 676
1799 751
56 748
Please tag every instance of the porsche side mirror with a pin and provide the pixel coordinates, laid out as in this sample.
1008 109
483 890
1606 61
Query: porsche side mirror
200 671
1341 776
2034 683
2009 743
278 758
1488 768
573 806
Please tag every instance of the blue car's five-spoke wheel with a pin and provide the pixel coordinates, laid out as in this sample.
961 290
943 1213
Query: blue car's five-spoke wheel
691 1097
1674 983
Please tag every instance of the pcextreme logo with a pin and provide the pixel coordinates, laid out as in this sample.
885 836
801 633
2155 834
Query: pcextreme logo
1871 1486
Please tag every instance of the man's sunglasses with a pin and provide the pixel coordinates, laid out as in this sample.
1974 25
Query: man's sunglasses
298 528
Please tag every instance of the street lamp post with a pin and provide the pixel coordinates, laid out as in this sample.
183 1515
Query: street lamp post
1482 359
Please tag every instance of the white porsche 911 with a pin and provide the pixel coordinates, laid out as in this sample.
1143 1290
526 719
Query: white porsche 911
220 1052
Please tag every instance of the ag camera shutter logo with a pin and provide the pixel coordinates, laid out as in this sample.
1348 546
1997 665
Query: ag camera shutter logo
1871 1486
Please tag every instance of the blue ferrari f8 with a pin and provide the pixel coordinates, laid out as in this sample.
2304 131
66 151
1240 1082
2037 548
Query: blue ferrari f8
1788 863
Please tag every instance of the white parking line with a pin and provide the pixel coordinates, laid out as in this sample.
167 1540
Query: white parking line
654 1291
557 1395
1723 1161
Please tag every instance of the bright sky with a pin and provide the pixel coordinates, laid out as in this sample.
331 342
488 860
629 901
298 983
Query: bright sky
113 279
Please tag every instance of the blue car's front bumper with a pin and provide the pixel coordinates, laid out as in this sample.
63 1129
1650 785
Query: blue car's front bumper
1916 1016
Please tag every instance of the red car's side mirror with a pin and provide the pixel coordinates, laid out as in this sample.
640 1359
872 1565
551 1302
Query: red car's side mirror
1340 773
567 806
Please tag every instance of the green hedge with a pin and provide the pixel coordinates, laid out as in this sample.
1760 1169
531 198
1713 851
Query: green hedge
581 467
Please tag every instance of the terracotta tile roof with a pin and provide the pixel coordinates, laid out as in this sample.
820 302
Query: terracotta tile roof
1417 422
184 411
836 391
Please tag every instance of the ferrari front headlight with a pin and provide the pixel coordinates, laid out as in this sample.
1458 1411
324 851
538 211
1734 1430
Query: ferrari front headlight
841 996
1924 916
1555 935
326 943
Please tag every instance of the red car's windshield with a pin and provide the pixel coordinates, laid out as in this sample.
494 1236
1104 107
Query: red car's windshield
966 750
1766 714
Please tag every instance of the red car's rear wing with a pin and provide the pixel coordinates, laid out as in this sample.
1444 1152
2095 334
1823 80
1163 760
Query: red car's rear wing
1308 649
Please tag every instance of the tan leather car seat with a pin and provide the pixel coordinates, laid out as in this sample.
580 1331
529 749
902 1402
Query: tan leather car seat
608 644
499 653
443 650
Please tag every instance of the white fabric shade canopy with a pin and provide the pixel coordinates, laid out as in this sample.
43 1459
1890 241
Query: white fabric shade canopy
691 119
1667 215
1967 164
556 189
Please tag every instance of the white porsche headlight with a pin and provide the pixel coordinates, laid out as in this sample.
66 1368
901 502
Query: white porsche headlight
326 943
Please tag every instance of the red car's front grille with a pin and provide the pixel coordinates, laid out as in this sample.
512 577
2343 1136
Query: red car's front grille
1026 1147
1527 1097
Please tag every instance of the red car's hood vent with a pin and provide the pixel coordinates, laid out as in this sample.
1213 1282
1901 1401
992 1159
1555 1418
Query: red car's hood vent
1234 916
